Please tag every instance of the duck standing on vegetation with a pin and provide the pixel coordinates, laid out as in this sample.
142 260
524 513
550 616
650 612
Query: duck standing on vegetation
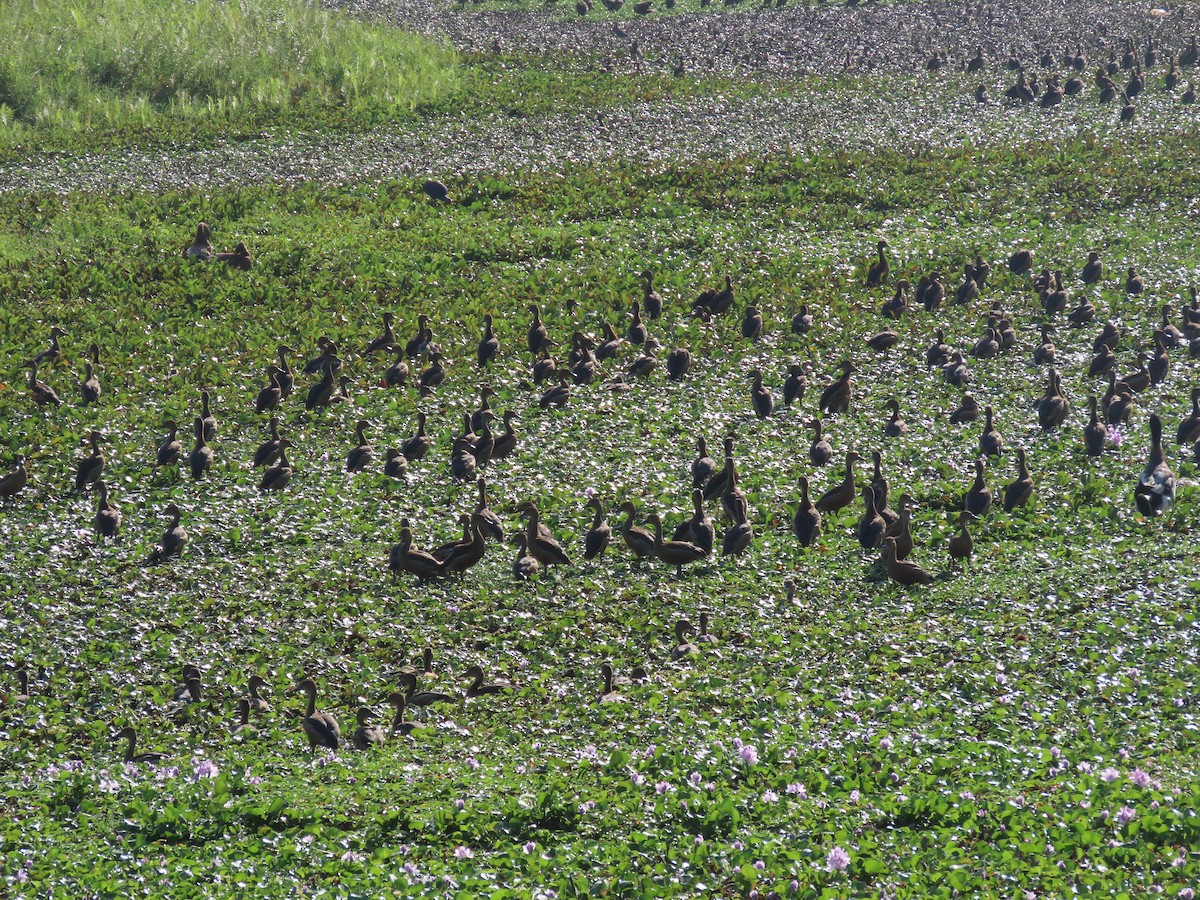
201 245
200 460
902 571
108 517
542 545
403 557
1019 492
878 271
698 529
91 467
320 727
15 479
836 397
478 688
361 455
89 388
677 553
960 545
1155 491
276 477
760 396
41 393
598 536
806 524
840 495
174 538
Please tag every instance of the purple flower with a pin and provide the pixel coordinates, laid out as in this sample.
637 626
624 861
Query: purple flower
662 787
854 796
472 763
637 778
351 857
738 845
1186 894
1114 436
885 743
206 769
459 804
1139 778
528 847
797 789
699 839
411 869
748 754
463 853
1055 752
838 860
770 797
695 779
1109 775
759 864
1126 815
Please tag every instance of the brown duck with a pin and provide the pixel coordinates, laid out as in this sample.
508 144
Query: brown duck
841 495
806 524
599 535
674 553
902 571
1019 492
320 727
836 397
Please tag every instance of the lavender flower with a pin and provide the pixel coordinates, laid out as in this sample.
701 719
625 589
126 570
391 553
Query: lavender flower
748 754
1109 775
838 860
1139 778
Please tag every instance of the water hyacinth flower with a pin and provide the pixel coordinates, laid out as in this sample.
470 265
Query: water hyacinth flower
1139 778
1114 436
205 768
770 797
528 847
838 860
1125 816
351 856
463 853
1109 775
748 754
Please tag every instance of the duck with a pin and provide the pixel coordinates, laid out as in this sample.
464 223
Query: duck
1189 428
201 245
1053 407
41 393
386 341
1155 491
883 340
464 521
366 736
506 442
433 375
732 494
242 729
968 290
806 524
89 388
403 557
990 442
397 699
200 460
645 364
468 555
1020 262
966 411
238 258
901 529
1019 492
537 338
902 571
1082 314
256 702
877 272
741 533
320 727
760 396
207 418
283 374
15 479
91 467
1140 380
802 321
108 517
1133 281
413 697
478 688
978 498
276 477
637 332
607 693
935 293
421 342
321 393
525 566
987 346
174 538
841 495
698 529
960 545
396 375
268 450
1102 362
836 397
677 553
639 541
598 536
1173 337
491 522
1108 337
415 447
894 427
270 396
169 448
683 647
1093 269
752 323
703 466
955 370
897 306
1044 353
542 545
722 300
361 455
652 301
558 395
879 484
129 734
715 486
395 463
1094 432
871 525
679 361
611 347
1159 364
938 353
795 385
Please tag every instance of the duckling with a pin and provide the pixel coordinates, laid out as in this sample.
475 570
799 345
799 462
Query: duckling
883 341
599 535
607 693
89 388
752 324
967 411
174 538
320 727
201 246
639 541
978 498
1019 492
802 321
108 517
1155 491
878 271
542 545
277 477
90 467
1093 269
129 733
477 687
39 391
836 397
1133 281
676 552
760 396
1044 353
15 479
200 460
820 452
385 341
901 571
990 442
806 524
403 557
871 525
362 454
741 533
703 466
1094 433
960 545
894 427
1054 407
415 447
169 448
841 495
683 647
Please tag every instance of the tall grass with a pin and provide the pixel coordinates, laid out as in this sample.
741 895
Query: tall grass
121 63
